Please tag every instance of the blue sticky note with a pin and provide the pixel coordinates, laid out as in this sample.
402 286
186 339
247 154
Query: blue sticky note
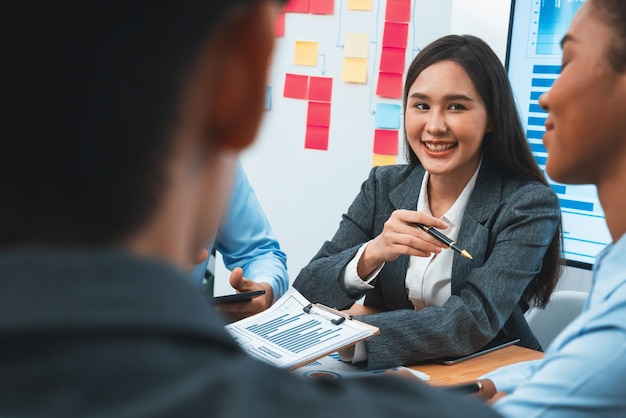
388 116
268 97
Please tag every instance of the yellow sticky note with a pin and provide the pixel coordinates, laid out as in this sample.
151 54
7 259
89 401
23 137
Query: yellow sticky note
305 53
357 45
360 5
354 70
379 160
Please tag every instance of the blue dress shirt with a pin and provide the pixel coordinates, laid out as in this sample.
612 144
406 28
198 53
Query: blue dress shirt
583 371
245 239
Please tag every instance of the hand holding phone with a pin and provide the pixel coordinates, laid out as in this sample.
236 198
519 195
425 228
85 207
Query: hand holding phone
238 297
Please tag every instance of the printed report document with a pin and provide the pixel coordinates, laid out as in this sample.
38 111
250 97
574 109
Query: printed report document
294 332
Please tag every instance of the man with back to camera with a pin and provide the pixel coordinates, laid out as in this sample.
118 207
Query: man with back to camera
125 125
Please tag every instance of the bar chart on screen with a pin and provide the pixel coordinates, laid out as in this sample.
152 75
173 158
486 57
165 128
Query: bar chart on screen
533 64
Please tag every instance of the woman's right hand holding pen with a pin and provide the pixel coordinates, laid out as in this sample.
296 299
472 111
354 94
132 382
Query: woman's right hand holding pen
400 236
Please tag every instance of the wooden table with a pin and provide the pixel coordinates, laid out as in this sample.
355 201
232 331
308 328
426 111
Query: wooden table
471 369
467 370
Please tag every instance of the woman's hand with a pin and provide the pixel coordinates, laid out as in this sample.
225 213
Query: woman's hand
400 236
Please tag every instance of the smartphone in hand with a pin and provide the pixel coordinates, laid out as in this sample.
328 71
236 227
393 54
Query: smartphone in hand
238 297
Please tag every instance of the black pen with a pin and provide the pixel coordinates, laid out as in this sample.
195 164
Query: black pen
441 237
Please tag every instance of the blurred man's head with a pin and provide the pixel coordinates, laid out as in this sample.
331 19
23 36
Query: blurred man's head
126 117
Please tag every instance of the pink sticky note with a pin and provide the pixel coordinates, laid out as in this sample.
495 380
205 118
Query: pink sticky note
395 34
322 7
398 11
318 114
316 138
385 142
279 25
297 6
320 89
392 60
389 85
296 86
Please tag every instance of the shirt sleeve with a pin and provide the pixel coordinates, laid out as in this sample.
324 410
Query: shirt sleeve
507 378
245 239
580 376
350 279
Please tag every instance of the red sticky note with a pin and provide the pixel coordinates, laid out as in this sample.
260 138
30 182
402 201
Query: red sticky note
320 89
389 85
392 60
297 6
398 11
279 25
322 7
385 142
318 114
395 34
316 138
296 86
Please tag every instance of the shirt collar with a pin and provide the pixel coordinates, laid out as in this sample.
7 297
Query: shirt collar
454 215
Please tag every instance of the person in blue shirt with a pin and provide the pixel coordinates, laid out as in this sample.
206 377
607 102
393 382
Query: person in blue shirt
249 249
582 373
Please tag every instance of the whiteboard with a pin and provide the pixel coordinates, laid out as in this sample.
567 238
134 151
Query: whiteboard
305 191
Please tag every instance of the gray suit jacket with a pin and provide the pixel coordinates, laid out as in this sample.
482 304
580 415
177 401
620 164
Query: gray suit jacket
507 227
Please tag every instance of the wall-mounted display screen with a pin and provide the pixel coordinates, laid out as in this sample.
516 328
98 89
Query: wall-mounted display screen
533 63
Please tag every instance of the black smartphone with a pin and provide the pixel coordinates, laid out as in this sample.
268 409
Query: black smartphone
238 297
450 362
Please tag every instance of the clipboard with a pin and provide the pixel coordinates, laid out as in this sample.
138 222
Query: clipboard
294 332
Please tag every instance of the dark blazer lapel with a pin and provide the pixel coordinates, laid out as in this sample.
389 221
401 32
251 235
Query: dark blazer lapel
405 194
474 236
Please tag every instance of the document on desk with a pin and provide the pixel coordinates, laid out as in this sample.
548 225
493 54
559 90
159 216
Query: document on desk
294 332
331 367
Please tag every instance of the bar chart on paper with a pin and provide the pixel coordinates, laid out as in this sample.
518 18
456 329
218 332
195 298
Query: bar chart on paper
534 63
291 333
294 333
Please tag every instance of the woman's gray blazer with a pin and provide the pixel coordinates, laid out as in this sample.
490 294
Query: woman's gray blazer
507 227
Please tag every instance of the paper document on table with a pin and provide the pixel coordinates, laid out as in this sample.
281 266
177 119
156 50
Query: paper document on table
332 367
294 332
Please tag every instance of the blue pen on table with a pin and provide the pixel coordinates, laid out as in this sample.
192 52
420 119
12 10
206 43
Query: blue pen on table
441 237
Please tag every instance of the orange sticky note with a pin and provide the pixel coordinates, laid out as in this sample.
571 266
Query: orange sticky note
354 70
380 160
364 5
306 53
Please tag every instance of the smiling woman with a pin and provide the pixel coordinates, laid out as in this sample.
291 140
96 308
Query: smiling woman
472 176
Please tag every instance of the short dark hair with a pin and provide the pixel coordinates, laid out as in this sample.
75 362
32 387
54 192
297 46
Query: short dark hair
613 13
505 146
93 93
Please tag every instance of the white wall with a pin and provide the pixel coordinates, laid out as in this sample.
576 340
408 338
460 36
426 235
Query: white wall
304 192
